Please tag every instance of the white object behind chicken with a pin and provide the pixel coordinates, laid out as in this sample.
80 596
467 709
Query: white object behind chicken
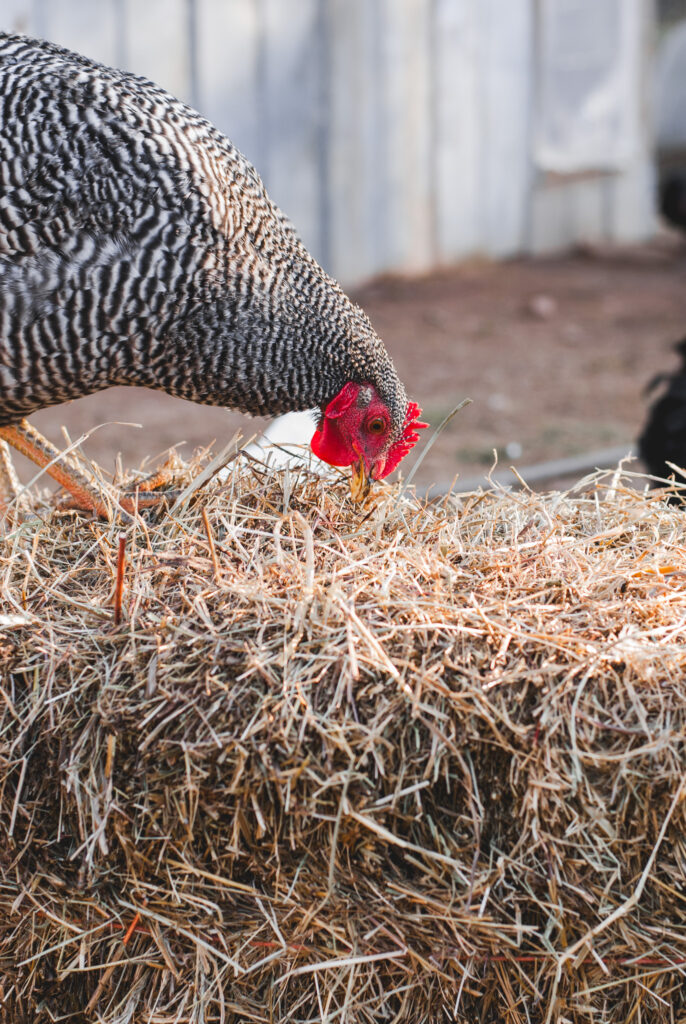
286 442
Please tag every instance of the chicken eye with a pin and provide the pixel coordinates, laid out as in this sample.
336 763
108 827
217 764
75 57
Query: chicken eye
377 425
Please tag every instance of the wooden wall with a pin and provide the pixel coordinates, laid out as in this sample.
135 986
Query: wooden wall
396 134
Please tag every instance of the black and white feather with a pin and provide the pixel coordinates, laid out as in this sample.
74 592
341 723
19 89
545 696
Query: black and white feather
138 246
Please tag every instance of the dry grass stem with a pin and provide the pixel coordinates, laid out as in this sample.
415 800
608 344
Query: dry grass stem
119 585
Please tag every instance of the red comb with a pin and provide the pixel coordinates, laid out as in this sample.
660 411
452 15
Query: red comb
406 441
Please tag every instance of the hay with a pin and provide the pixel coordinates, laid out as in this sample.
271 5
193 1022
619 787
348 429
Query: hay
415 764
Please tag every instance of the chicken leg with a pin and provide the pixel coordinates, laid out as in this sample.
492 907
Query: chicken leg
27 440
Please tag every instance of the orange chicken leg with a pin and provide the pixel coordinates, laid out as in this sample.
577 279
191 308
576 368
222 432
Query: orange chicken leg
27 440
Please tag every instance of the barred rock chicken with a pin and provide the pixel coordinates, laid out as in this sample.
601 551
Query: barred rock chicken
139 247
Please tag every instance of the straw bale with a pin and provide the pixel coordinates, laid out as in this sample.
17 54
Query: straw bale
423 762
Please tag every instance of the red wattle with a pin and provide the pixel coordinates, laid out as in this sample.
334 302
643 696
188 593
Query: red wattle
328 445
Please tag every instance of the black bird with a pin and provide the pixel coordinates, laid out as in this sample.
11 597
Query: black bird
138 246
663 438
672 198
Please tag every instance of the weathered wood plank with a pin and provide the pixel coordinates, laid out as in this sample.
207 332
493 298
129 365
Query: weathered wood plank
356 197
631 202
291 113
406 49
507 65
457 129
588 201
550 225
81 25
17 16
631 197
157 43
230 65
566 212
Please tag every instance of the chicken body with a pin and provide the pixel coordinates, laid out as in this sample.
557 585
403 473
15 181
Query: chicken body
138 246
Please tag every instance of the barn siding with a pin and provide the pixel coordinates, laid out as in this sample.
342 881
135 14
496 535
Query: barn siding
357 201
506 32
168 62
81 25
458 129
396 134
17 16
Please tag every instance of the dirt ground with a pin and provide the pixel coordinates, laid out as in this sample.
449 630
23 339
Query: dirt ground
555 354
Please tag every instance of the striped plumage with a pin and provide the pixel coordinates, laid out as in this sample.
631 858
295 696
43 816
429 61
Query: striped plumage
138 246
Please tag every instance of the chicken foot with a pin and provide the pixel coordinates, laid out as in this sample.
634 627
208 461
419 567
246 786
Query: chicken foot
84 493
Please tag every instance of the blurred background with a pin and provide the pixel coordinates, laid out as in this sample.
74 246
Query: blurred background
488 178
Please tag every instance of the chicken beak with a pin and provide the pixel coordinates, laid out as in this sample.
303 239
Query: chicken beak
360 482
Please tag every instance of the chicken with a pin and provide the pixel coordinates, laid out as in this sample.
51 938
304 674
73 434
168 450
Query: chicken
663 438
139 247
672 198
